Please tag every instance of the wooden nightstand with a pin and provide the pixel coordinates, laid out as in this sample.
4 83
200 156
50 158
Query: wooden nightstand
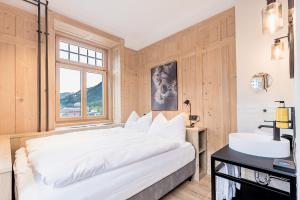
198 138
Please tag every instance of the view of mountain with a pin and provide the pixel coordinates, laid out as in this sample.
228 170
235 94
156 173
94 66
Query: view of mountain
94 98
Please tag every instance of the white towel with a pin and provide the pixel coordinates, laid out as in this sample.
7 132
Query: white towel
226 189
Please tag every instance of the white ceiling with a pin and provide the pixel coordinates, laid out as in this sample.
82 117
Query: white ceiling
139 22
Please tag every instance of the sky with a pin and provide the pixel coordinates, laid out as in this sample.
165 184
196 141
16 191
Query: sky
70 80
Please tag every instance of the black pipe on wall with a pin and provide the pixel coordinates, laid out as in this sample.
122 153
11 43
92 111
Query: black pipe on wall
39 67
38 3
47 67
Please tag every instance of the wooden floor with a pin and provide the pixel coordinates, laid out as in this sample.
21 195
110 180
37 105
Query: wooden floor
192 191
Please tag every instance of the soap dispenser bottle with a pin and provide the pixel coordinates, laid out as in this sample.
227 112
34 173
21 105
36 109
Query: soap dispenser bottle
282 115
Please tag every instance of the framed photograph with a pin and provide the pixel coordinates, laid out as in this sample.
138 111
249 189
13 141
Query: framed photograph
164 95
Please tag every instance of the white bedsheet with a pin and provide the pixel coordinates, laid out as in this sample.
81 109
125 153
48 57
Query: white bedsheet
66 159
119 184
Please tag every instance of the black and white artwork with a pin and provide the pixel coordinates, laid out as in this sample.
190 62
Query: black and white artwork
164 87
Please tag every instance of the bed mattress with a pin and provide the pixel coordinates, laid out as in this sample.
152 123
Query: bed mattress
118 184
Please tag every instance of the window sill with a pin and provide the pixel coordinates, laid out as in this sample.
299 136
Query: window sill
86 126
77 122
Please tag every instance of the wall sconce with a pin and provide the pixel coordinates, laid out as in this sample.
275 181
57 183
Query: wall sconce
277 50
272 17
192 118
272 22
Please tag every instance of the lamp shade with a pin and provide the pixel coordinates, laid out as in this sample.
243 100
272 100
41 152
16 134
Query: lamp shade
272 18
277 50
187 102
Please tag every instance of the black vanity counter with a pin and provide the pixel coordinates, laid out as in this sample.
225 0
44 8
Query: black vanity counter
253 189
228 155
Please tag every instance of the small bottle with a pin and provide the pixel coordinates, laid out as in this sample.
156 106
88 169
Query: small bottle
282 115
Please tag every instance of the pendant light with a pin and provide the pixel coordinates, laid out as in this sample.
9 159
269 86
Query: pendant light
272 19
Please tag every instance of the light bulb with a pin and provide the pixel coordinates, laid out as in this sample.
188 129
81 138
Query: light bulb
277 50
271 22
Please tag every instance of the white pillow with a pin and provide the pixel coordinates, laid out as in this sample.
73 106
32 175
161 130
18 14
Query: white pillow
139 123
133 117
173 129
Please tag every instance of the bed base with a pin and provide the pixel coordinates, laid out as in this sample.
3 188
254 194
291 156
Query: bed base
167 184
159 189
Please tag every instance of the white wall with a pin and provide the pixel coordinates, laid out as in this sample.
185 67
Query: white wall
254 56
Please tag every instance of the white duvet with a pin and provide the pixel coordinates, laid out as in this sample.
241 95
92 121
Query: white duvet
64 159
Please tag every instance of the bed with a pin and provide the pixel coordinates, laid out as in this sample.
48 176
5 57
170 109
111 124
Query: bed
150 177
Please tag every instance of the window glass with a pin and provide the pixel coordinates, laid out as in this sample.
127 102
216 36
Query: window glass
83 59
91 53
83 51
73 48
99 55
91 61
70 92
63 46
99 63
79 54
74 57
94 94
64 55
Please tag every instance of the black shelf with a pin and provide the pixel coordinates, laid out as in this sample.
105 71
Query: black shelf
231 156
255 163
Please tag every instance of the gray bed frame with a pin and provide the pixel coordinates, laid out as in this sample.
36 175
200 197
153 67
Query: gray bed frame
167 184
162 187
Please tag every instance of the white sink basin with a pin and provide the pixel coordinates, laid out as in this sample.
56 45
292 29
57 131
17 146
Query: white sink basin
259 145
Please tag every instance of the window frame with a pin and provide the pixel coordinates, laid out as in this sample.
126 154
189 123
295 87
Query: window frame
84 69
85 45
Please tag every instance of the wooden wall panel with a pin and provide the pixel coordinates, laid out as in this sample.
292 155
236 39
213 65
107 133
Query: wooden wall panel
129 84
7 23
191 82
219 93
189 74
205 54
18 30
212 90
206 73
7 87
27 29
232 85
26 88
